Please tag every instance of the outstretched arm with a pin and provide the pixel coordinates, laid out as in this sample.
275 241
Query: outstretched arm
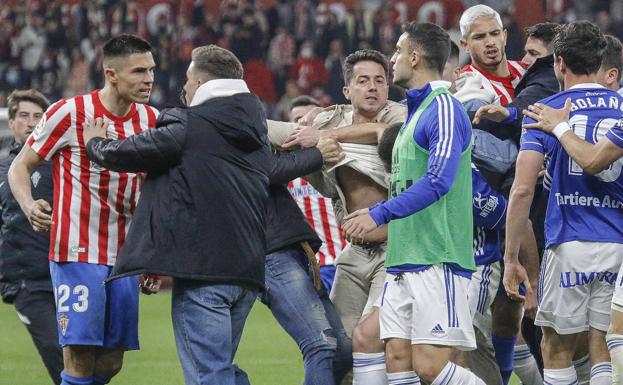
153 149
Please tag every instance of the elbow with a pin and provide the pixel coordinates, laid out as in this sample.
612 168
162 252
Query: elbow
521 192
594 167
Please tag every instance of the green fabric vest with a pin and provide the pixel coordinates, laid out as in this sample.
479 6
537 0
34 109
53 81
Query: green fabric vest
441 232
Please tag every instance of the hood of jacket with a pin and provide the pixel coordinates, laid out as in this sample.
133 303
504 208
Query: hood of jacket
235 122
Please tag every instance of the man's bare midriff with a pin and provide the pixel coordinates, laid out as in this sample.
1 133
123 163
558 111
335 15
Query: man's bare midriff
360 191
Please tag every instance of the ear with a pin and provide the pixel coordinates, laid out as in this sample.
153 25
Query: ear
414 57
110 74
562 65
612 76
11 123
464 45
346 92
505 34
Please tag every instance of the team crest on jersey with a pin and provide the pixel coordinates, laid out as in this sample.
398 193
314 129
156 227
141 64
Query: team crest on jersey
63 322
35 178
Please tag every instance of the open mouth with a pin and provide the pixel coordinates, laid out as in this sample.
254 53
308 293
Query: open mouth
492 53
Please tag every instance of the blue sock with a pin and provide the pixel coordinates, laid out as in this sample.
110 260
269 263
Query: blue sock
97 380
66 379
504 352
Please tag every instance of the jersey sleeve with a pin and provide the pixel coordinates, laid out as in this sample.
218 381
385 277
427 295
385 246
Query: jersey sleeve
52 131
489 206
449 133
615 134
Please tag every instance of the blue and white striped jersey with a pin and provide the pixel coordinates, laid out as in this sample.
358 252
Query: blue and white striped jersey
581 206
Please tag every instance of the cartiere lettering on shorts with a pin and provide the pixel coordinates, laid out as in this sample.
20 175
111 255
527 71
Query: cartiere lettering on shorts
569 279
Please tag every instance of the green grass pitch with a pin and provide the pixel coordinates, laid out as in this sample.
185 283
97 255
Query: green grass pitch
266 352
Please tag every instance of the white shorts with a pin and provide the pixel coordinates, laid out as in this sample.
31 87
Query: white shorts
617 298
481 293
576 285
428 307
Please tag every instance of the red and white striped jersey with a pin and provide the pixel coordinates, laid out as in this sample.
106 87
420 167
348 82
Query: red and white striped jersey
503 86
92 206
319 213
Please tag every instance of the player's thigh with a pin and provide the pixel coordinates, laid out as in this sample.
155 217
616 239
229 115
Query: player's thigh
122 314
81 302
565 287
481 293
448 323
604 284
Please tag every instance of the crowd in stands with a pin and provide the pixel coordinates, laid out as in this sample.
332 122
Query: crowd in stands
291 48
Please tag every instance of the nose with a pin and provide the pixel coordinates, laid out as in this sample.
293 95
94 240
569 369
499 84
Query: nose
150 77
33 120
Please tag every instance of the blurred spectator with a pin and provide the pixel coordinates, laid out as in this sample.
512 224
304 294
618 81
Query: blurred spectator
514 39
38 39
30 44
327 30
308 70
282 108
249 38
334 67
281 57
78 79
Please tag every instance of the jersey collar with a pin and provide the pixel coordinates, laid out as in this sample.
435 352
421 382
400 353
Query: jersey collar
586 85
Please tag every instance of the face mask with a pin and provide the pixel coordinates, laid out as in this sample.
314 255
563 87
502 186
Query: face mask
306 53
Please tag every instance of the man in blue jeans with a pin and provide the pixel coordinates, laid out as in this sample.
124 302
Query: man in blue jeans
299 301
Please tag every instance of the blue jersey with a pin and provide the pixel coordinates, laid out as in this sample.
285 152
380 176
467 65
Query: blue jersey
581 206
489 217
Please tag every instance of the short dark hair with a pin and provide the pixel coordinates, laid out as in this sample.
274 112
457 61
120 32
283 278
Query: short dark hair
386 144
432 40
217 62
363 55
581 44
454 51
30 95
612 55
125 45
303 101
545 32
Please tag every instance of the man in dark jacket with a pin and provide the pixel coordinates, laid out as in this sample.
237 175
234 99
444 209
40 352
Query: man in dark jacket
537 83
24 269
202 213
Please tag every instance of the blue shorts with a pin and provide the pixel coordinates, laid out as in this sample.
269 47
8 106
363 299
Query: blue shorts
327 275
89 312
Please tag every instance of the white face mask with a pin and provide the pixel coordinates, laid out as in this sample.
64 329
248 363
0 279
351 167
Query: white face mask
306 53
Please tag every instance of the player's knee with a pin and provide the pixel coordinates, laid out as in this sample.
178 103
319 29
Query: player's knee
427 371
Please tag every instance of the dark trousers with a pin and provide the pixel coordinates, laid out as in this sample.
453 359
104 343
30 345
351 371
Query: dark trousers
37 311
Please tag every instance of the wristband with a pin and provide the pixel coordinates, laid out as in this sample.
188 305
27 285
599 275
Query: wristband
560 129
